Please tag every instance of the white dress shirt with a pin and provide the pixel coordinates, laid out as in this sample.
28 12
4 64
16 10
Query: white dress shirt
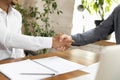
12 42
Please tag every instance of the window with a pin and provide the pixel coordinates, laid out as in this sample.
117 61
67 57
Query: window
83 21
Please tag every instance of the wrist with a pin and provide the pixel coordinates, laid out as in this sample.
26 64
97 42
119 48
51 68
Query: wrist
53 39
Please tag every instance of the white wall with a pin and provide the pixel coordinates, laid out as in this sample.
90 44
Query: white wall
62 23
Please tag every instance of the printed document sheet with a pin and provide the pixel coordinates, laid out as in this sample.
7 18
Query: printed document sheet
91 69
51 65
59 65
14 70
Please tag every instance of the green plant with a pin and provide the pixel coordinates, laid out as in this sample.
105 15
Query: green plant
98 6
37 23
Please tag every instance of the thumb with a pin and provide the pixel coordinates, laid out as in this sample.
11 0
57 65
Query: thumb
63 37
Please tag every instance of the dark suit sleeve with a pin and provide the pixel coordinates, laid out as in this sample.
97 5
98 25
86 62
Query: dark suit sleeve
98 33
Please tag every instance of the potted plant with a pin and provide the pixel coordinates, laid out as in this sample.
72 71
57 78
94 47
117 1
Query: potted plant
100 7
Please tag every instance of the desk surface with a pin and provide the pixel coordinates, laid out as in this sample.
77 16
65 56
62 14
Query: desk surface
75 55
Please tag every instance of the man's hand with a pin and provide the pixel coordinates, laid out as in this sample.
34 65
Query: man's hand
65 37
14 2
62 42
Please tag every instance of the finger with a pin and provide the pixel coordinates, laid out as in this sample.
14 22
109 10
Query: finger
68 39
61 48
58 36
63 37
67 45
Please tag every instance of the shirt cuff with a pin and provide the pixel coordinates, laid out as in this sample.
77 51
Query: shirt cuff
48 42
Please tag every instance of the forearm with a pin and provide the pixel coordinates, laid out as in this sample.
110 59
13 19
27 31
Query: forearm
96 34
86 38
27 42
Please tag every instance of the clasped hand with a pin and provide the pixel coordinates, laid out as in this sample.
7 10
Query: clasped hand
62 42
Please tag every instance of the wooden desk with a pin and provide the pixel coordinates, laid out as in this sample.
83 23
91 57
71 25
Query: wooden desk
75 55
104 43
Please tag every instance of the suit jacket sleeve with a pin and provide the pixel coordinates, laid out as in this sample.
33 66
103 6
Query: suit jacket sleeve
98 33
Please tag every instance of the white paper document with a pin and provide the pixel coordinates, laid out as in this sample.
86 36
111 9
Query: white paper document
34 69
59 65
92 69
14 70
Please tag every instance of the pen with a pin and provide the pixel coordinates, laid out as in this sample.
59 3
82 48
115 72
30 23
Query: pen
37 73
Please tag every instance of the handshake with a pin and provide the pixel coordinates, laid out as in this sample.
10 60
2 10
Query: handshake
62 42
